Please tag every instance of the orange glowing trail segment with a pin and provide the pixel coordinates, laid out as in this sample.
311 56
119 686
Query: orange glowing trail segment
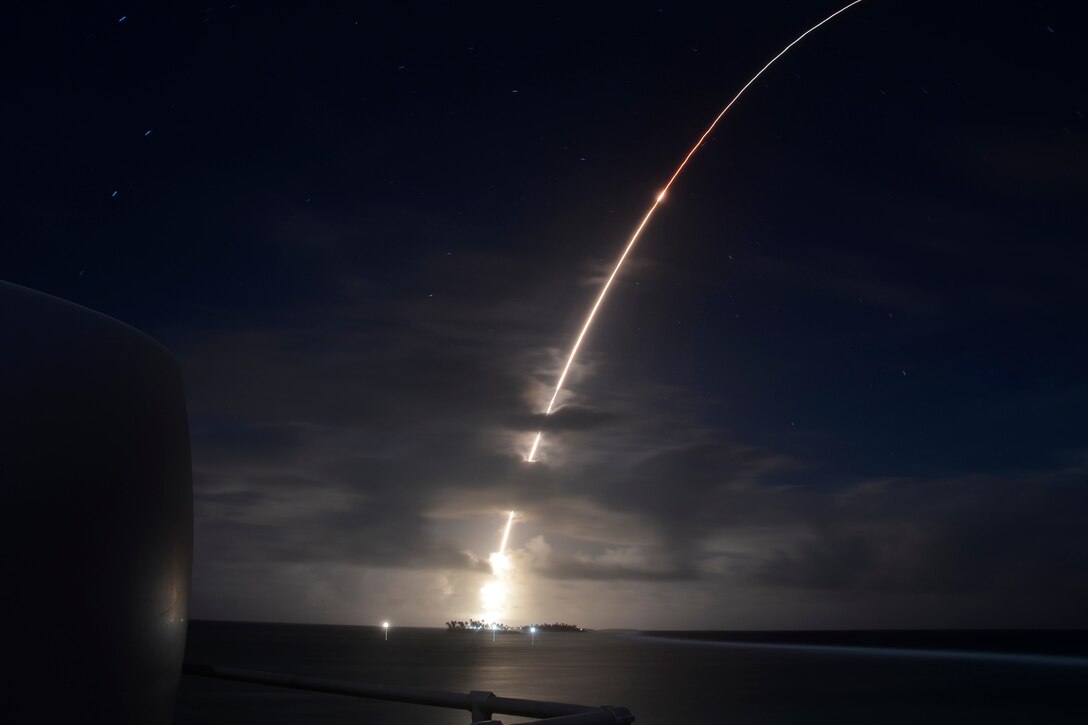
646 219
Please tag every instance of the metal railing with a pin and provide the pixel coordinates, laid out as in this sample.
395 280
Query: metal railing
482 706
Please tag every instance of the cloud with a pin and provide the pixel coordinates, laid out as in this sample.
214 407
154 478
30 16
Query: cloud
326 445
625 563
571 417
1007 544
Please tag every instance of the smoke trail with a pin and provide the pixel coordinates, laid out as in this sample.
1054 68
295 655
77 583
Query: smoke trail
645 220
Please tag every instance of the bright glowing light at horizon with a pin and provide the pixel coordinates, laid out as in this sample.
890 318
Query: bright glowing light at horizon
531 458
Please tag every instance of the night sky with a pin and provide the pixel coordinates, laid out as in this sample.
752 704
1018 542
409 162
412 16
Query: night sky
842 382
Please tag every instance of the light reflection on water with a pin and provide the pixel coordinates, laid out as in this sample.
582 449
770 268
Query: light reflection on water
661 681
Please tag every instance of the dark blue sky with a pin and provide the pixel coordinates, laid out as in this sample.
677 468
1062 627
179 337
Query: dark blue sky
840 383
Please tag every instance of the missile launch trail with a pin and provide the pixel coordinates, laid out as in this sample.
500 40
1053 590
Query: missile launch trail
494 593
506 534
646 219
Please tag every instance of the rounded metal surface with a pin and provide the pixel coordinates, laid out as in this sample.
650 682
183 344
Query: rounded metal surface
96 493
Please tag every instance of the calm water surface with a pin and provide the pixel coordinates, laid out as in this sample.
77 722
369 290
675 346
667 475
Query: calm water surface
659 680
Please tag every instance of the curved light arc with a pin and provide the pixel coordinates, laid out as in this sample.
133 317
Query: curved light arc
531 457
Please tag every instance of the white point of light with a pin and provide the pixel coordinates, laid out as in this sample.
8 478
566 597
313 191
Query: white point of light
531 458
385 625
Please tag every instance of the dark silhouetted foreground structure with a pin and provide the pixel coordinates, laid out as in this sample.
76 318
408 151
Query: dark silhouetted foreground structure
96 490
480 705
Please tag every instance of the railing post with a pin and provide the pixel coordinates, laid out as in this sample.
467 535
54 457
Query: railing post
481 712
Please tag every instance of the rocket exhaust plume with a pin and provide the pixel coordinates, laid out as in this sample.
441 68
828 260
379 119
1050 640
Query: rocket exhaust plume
494 593
646 219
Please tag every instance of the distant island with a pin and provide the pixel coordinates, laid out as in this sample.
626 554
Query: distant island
474 625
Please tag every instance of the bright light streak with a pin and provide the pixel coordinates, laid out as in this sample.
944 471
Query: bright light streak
645 220
506 533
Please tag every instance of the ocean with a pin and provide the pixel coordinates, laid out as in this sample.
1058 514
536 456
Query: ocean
666 678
